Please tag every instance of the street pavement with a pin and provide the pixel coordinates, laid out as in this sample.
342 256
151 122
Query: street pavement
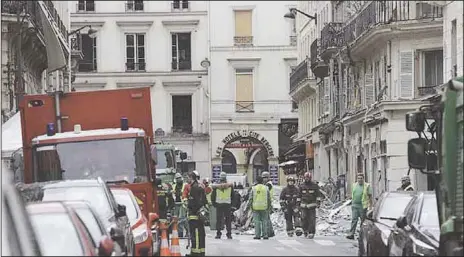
280 245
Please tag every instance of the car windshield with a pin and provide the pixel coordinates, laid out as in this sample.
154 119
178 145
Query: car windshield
94 195
91 223
393 206
124 198
429 217
56 234
115 159
164 159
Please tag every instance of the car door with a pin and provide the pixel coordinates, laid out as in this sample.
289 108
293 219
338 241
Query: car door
369 230
401 235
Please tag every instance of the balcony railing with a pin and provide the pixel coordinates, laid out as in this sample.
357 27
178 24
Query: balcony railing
181 65
299 74
180 5
130 66
331 35
243 41
56 17
134 6
181 129
87 66
385 12
424 91
244 106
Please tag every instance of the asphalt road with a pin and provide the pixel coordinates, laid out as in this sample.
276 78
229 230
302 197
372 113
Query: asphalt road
280 245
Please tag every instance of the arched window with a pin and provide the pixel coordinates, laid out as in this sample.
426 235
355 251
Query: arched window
229 164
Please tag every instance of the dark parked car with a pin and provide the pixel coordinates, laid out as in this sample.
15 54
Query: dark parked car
61 232
18 237
93 223
417 231
94 191
379 222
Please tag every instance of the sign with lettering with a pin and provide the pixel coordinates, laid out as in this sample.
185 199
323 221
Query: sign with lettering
216 173
239 134
274 174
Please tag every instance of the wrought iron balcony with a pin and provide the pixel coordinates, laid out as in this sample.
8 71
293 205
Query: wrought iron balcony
181 65
130 66
299 74
331 38
319 68
424 91
244 106
243 41
386 12
181 129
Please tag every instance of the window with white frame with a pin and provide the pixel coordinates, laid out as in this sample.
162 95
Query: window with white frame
181 51
244 90
86 6
89 50
180 4
433 68
135 52
134 5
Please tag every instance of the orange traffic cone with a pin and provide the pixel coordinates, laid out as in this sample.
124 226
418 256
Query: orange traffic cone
164 251
175 246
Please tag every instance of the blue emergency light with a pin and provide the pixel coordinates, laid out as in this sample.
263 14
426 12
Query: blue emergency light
50 129
124 123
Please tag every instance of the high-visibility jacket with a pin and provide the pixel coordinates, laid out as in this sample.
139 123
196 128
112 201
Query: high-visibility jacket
181 191
260 197
208 191
364 198
224 195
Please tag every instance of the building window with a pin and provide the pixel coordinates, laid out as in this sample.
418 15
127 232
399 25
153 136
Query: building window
134 5
243 28
433 68
454 39
86 6
244 90
181 51
182 114
89 50
180 5
135 52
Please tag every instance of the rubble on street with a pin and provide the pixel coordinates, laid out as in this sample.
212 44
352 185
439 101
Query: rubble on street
332 218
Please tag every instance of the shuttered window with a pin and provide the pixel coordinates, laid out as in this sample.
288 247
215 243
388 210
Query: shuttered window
326 95
244 90
369 88
243 24
406 74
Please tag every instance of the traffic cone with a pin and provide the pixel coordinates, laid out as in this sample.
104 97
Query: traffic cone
164 251
175 246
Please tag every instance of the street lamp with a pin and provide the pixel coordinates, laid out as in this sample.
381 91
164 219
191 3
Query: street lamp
293 11
92 33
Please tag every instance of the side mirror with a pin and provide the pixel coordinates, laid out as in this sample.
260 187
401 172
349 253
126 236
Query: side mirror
116 233
152 217
121 211
417 157
105 247
415 121
370 215
401 222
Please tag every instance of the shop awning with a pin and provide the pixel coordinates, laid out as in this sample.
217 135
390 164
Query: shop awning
296 150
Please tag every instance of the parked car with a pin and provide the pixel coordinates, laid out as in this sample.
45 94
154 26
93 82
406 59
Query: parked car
379 222
417 231
145 243
93 223
18 237
61 232
94 191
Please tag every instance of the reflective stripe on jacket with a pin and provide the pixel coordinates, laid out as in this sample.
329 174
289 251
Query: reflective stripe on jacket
223 195
260 197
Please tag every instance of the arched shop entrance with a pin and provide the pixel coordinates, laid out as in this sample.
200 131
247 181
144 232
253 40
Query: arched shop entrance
245 152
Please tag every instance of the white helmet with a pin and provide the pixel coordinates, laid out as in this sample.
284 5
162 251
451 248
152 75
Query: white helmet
178 175
196 173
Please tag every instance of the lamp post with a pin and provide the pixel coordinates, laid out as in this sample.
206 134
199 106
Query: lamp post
293 12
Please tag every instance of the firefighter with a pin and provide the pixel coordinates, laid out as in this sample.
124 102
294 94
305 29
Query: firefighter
196 216
180 208
267 181
222 198
406 184
260 203
290 200
310 199
165 200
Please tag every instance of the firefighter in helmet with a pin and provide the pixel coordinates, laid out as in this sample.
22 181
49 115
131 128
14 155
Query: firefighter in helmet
290 202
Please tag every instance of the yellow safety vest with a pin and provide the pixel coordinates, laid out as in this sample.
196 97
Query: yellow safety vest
260 196
223 195
364 199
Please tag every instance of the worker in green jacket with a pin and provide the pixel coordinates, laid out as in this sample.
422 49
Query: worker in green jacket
267 181
361 200
260 203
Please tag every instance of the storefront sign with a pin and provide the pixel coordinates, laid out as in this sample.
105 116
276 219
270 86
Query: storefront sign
274 174
234 136
216 173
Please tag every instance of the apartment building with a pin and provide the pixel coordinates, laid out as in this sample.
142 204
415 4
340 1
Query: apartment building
156 44
252 52
452 38
375 61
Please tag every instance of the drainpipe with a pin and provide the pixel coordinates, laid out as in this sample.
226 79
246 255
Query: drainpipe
389 77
